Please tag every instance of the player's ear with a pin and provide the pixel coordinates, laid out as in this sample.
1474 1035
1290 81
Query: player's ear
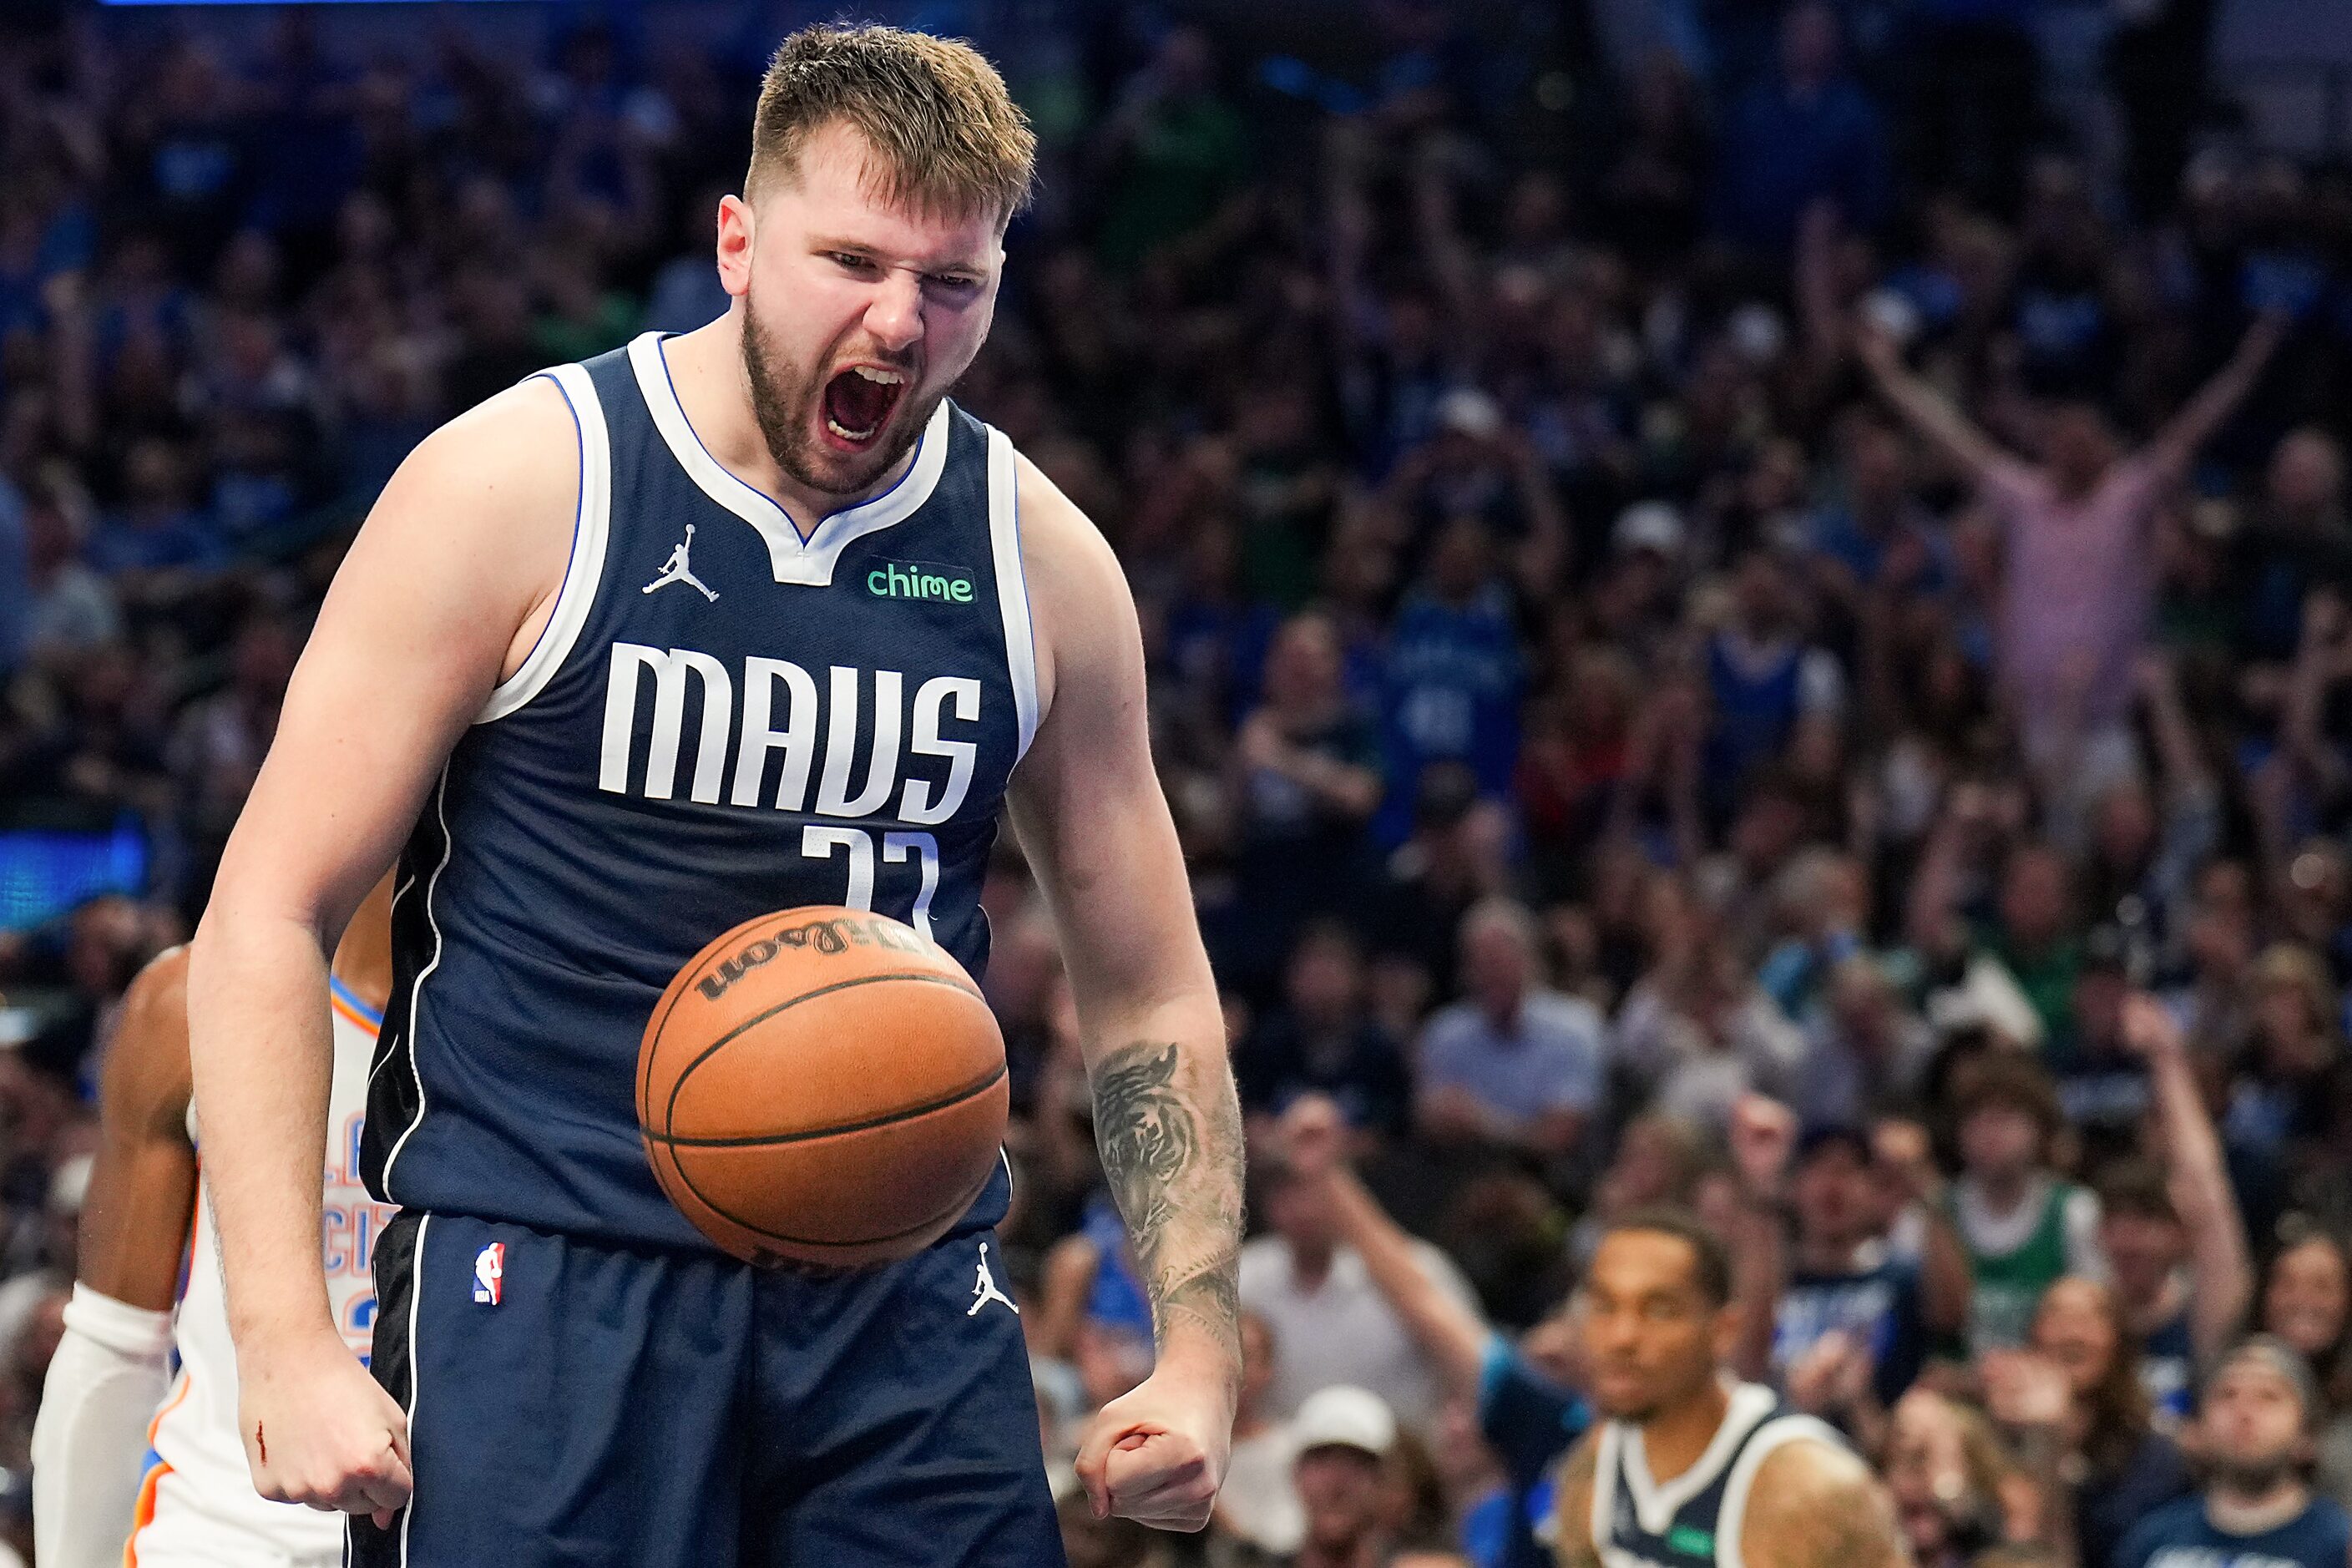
737 223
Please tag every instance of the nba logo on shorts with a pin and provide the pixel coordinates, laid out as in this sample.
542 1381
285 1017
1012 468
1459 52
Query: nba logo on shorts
489 1268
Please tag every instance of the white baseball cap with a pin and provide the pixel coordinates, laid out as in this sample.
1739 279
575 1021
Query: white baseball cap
1343 1416
1471 412
1649 525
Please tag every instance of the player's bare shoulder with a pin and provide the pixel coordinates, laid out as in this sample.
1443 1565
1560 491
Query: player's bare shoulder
516 452
1573 1545
1814 1504
1079 602
479 517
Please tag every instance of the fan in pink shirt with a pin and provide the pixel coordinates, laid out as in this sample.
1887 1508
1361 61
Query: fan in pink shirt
2078 580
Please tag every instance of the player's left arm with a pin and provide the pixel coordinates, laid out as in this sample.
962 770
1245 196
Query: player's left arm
1815 1505
112 1365
1087 805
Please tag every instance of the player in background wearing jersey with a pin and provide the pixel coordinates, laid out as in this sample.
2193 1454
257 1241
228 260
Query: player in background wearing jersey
863 263
2255 1419
1690 1467
122 1451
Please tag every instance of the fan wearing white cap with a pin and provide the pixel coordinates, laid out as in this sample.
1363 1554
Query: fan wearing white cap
1341 1435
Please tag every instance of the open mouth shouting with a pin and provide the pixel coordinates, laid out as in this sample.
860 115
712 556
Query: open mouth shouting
859 402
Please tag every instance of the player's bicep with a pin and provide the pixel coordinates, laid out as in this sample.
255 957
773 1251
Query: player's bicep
463 549
142 1184
1087 800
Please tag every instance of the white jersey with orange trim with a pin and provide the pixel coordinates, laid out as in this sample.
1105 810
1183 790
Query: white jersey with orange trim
197 1504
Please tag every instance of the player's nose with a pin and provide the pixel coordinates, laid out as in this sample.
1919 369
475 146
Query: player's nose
895 313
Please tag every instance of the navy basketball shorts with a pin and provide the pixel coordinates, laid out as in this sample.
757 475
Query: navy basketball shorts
589 1407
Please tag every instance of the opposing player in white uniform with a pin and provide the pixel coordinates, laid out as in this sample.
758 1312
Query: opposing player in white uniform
134 1464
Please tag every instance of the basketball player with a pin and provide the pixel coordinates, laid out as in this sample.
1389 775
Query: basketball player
1692 1468
191 1502
591 781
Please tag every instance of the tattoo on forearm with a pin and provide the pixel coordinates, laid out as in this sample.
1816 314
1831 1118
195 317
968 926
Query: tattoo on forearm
1173 1163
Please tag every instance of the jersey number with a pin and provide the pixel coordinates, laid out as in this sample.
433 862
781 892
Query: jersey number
819 843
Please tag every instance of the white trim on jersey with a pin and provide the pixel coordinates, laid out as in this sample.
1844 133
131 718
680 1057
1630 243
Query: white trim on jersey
1654 1506
1011 585
1603 1511
416 992
1773 1434
809 562
591 526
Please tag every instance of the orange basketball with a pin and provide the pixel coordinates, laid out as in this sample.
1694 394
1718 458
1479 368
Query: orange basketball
824 1086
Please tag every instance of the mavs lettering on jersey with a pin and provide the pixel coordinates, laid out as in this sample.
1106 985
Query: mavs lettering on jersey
776 720
722 719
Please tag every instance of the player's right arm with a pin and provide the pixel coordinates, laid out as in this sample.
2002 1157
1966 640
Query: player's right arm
1573 1545
112 1366
442 594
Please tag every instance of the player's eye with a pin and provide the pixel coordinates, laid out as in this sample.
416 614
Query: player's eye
955 282
852 263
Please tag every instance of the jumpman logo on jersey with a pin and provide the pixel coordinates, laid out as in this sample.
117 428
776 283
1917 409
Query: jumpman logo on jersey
676 569
984 1290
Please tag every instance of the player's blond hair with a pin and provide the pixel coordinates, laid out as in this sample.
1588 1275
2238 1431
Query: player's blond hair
947 138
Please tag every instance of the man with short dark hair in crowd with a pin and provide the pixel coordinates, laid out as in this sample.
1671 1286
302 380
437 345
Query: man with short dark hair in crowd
1333 1321
1841 1289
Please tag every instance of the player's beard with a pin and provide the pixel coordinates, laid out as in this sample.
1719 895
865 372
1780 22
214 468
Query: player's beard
784 401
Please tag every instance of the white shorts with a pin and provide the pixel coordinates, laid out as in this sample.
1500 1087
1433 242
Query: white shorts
171 1530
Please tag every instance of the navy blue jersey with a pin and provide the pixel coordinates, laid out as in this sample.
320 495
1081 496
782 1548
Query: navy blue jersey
1693 1520
1878 1306
2180 1535
721 719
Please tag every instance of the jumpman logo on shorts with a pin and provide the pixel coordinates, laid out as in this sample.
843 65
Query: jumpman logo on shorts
676 569
984 1290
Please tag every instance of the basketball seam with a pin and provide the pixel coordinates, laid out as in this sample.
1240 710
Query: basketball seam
957 1206
670 1111
774 1139
676 994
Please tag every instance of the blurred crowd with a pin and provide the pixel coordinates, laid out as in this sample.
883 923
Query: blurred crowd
1739 615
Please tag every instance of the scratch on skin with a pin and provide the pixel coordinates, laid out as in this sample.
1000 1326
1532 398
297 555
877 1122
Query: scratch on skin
260 1442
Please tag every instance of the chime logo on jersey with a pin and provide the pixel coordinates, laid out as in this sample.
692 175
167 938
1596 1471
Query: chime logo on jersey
919 580
760 744
490 1273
